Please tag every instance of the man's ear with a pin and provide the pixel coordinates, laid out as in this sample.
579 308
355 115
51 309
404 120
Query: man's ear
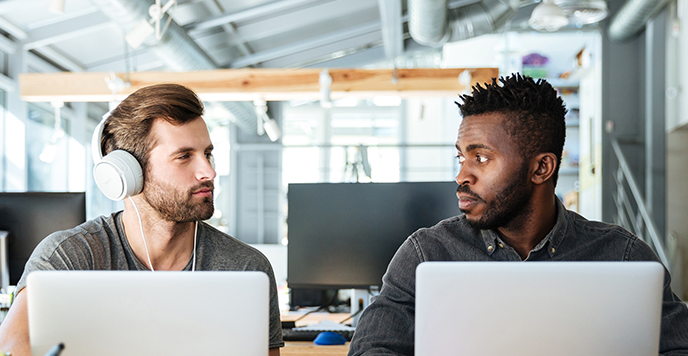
544 165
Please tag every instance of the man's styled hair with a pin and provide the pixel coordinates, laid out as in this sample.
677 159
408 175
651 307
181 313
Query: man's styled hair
533 113
129 125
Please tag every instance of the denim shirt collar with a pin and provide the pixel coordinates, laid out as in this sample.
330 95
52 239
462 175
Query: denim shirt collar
554 237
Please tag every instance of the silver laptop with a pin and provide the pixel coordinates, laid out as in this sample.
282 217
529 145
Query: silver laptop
145 313
538 308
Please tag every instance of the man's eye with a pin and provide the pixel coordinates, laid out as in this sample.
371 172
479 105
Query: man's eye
481 159
209 155
461 159
184 156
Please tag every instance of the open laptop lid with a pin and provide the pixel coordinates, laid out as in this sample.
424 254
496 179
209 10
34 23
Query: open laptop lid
142 313
555 308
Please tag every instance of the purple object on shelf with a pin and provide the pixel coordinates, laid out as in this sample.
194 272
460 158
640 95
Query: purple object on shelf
535 60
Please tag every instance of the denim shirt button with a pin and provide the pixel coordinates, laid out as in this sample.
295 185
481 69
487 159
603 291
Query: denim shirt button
490 248
552 250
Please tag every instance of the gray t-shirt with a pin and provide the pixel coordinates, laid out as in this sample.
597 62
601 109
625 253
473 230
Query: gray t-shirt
100 244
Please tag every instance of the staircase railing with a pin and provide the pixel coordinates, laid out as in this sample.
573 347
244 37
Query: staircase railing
631 212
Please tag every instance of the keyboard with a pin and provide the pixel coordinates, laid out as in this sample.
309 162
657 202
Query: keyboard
310 335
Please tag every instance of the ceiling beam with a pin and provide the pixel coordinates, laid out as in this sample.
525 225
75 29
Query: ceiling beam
392 28
7 83
340 49
143 58
300 46
14 30
252 84
253 12
61 59
8 46
310 16
70 28
216 9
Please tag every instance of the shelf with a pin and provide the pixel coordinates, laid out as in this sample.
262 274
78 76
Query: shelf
568 170
563 83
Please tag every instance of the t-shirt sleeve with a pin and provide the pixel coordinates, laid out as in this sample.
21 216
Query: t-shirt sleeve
275 321
251 259
61 250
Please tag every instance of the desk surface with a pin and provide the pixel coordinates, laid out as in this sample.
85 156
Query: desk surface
306 348
312 318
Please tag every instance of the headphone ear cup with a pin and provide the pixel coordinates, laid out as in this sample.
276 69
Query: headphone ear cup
118 175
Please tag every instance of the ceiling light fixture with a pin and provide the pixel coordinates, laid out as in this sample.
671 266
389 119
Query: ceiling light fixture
583 12
325 89
57 6
266 125
145 28
548 16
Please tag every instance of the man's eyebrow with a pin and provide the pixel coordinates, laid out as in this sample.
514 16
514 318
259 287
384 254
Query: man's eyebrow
181 150
190 149
476 146
473 147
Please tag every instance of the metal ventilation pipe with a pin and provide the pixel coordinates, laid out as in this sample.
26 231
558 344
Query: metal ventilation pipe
631 18
431 23
176 49
428 21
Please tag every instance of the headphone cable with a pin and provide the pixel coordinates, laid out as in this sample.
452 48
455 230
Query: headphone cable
150 264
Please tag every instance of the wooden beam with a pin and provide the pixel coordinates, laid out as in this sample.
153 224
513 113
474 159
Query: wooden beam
251 84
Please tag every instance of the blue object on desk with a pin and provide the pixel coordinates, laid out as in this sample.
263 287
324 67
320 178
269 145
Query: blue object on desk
329 338
55 350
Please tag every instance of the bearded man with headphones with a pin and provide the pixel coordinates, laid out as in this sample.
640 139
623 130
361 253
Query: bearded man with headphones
158 158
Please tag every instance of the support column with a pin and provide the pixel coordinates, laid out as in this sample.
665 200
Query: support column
655 121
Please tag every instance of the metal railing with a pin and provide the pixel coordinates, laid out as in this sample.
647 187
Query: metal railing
631 212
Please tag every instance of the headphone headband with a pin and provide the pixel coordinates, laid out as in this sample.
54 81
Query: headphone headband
96 148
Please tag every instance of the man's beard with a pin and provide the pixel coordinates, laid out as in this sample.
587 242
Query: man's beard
510 203
178 206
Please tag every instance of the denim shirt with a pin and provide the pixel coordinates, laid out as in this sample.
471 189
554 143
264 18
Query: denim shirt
386 327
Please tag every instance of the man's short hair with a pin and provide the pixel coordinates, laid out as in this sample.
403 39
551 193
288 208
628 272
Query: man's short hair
129 125
533 113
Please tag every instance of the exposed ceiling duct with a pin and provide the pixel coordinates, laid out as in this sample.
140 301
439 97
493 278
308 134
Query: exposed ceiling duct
631 18
432 23
176 49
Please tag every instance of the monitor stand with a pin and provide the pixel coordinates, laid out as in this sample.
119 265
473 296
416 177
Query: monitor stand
360 299
4 268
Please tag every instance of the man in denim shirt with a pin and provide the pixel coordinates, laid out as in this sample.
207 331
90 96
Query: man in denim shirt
509 146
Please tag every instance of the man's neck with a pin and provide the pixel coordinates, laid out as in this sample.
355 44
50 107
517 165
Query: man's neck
533 228
169 244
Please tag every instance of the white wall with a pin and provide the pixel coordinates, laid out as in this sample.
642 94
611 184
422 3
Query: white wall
681 119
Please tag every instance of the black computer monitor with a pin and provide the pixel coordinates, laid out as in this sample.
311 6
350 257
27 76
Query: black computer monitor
30 217
343 235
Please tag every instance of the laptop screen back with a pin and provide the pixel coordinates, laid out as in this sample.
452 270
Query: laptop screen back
142 313
557 308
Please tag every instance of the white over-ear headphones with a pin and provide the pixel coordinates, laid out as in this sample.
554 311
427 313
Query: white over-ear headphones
118 174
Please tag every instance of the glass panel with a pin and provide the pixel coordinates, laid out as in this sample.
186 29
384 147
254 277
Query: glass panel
47 151
3 113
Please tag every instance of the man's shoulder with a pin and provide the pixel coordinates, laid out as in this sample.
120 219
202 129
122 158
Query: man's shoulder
449 239
99 229
595 229
448 230
232 250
